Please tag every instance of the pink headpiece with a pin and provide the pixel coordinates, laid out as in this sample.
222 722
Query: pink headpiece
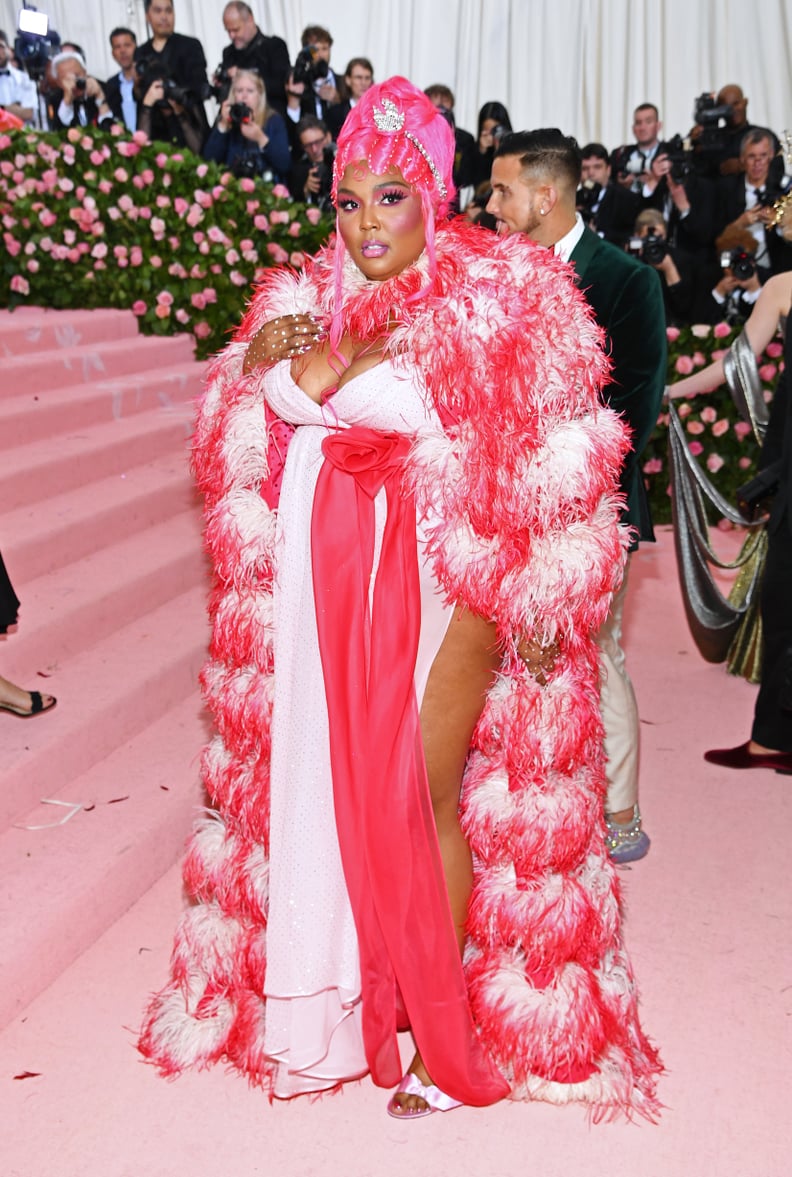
395 125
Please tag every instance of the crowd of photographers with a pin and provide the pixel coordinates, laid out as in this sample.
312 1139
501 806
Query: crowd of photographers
698 209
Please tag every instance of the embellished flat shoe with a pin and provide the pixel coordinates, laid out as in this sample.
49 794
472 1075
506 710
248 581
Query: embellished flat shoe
742 758
628 842
37 705
436 1100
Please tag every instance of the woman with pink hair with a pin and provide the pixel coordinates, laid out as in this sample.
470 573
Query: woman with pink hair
411 506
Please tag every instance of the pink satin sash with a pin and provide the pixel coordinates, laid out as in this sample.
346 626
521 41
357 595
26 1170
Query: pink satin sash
384 816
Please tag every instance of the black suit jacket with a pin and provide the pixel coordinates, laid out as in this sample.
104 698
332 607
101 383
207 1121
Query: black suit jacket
778 440
615 217
731 203
112 90
269 57
627 301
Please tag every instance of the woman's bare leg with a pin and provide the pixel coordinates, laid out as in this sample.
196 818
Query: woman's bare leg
461 675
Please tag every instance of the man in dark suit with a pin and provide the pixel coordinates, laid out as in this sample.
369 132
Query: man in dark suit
535 177
120 88
606 207
175 57
745 201
252 49
73 97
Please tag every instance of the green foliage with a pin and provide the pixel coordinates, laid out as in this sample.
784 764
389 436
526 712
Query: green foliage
92 219
721 441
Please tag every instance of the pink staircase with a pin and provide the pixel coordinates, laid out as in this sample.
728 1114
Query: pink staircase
101 534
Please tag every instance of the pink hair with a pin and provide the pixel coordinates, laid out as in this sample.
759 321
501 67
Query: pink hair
361 140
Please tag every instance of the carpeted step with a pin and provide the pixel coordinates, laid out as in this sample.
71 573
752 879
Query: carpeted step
32 329
106 695
62 887
37 471
67 611
39 537
32 415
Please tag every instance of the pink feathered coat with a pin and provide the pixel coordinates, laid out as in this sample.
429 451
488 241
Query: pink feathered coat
522 480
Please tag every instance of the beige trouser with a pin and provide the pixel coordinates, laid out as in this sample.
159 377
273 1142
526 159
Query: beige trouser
619 710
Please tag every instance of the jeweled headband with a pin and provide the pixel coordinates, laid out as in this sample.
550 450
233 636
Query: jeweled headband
390 120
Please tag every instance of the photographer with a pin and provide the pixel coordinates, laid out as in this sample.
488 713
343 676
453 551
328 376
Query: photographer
607 208
631 162
493 124
17 91
720 122
733 296
650 244
178 59
250 49
74 99
746 200
311 178
249 136
165 112
358 76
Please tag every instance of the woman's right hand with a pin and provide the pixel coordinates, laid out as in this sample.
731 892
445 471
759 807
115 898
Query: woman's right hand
281 339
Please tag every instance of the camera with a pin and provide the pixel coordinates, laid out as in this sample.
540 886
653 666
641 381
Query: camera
707 112
239 113
308 68
220 86
587 198
740 262
679 158
35 42
174 92
247 167
650 249
80 85
497 133
624 165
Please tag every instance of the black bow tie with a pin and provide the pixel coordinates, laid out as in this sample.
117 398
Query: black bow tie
5 73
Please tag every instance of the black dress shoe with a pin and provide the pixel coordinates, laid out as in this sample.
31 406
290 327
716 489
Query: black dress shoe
742 758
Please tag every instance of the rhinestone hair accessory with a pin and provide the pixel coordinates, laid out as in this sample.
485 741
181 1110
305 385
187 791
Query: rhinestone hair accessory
390 120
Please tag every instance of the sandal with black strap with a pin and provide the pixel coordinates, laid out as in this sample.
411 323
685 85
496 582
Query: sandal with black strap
38 705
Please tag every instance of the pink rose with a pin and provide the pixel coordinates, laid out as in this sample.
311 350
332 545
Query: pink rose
195 215
261 223
138 183
74 256
277 252
238 279
204 247
13 246
295 229
162 311
700 330
252 206
163 201
709 414
139 307
695 427
742 429
145 212
20 285
313 215
296 259
158 228
125 203
210 294
684 410
672 333
202 330
155 261
279 217
165 298
216 234
198 300
696 448
147 176
714 463
204 199
73 135
181 205
161 160
136 256
245 243
69 236
197 271
199 236
684 365
281 191
99 250
47 218
744 463
720 427
721 330
699 359
105 187
140 137
33 265
122 175
768 372
215 268
231 257
174 243
201 170
127 149
182 316
774 350
247 185
653 466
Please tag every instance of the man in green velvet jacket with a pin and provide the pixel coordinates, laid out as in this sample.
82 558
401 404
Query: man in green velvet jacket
535 176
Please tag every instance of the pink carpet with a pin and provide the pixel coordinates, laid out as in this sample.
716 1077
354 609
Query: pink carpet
88 909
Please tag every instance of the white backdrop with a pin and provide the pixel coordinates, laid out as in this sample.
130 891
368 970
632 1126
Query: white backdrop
582 65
